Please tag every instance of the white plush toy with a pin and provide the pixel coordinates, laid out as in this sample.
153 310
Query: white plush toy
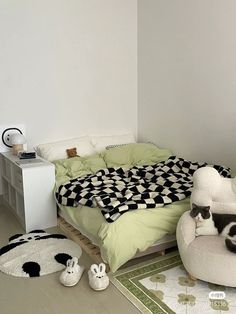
72 274
98 279
211 189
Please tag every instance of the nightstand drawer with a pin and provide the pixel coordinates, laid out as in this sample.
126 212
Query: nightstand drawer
19 182
7 169
20 207
18 179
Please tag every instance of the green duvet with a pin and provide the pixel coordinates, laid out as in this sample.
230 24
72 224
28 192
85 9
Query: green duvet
135 230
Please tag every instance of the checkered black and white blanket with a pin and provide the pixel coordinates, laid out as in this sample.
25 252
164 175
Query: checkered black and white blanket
118 190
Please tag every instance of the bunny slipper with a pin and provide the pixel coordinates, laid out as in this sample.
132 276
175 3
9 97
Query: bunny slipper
98 279
72 274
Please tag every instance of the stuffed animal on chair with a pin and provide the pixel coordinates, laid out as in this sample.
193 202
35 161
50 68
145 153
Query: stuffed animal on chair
211 189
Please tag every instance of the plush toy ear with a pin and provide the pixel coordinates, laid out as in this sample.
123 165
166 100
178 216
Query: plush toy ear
15 236
94 269
102 268
74 261
68 263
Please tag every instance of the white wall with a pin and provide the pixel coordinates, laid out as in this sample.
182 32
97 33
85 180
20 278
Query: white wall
187 77
68 68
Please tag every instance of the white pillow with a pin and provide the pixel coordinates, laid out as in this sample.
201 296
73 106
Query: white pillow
101 142
57 150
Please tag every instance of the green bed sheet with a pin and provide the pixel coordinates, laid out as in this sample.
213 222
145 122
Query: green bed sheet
135 230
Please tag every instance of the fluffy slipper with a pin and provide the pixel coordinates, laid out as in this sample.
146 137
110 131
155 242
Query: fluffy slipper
98 279
72 274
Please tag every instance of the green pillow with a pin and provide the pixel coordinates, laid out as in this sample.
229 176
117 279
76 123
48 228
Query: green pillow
94 163
135 154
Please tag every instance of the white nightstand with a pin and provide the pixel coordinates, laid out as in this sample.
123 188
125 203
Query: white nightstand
28 190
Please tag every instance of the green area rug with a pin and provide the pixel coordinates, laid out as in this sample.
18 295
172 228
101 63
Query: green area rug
162 286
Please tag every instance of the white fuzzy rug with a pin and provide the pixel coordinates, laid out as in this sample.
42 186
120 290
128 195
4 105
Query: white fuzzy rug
36 254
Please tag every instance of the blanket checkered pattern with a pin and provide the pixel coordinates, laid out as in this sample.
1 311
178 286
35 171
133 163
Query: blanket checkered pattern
118 190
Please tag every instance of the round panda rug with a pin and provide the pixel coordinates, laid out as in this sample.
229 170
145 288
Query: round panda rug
37 253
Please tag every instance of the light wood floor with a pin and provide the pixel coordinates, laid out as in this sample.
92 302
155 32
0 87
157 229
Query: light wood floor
45 295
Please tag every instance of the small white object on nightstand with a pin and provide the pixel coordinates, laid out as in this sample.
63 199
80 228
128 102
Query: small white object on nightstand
28 191
17 141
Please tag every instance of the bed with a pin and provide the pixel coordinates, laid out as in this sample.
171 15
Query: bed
134 233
